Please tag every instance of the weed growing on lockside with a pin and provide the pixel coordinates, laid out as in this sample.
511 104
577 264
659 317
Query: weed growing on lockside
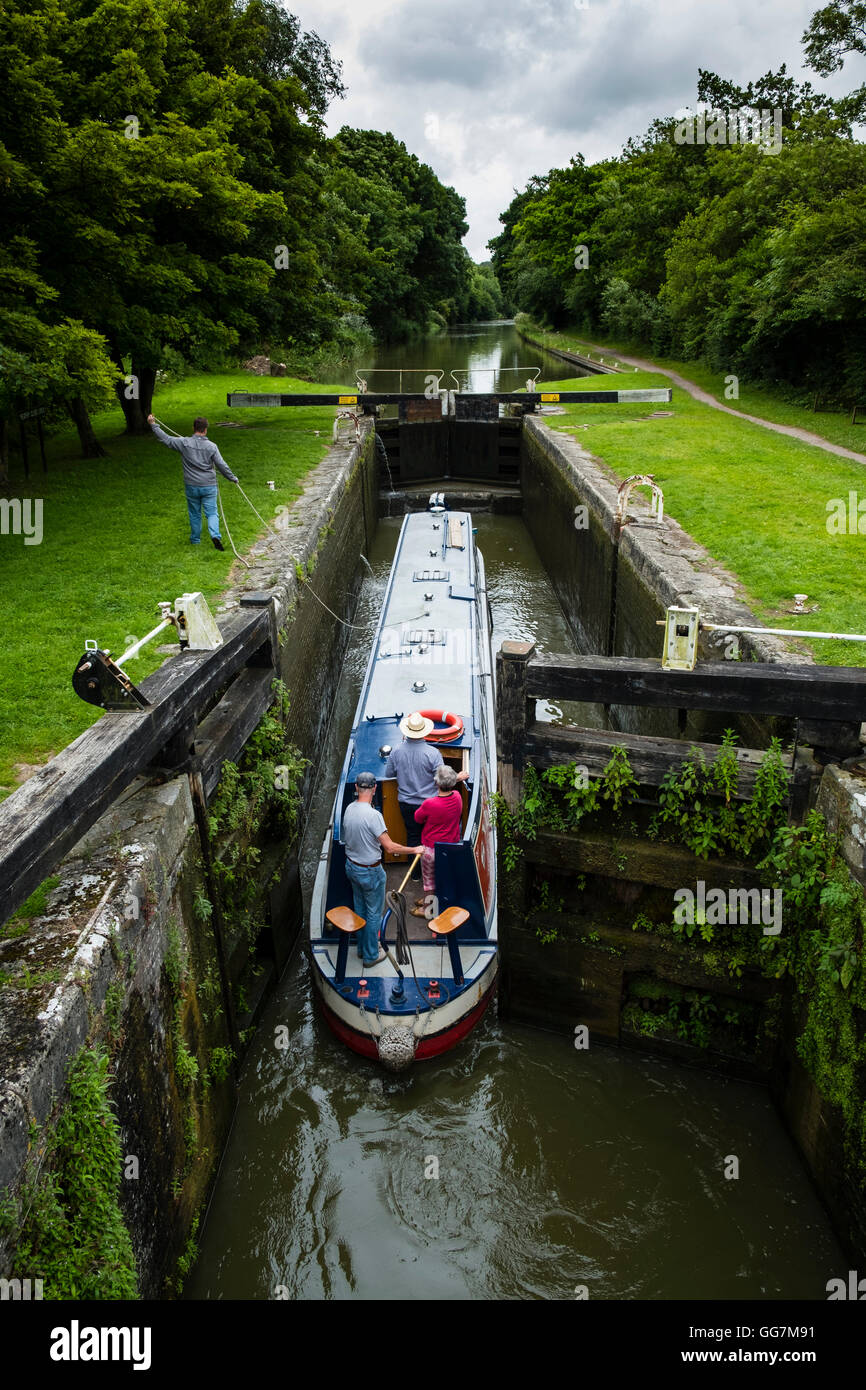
65 1221
257 803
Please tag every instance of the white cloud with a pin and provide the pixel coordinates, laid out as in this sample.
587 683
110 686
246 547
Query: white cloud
517 88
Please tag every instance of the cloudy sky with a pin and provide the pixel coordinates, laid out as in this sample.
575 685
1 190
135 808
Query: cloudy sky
489 92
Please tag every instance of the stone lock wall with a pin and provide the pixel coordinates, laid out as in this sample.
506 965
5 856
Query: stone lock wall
613 589
123 957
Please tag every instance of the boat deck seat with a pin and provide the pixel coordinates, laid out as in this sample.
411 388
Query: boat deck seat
345 919
448 921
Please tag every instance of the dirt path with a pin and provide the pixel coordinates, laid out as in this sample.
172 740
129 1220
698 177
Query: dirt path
699 394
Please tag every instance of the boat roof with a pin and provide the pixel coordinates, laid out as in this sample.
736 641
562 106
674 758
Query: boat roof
426 636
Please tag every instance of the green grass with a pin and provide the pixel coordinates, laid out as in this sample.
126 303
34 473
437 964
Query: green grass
35 906
833 425
116 541
756 500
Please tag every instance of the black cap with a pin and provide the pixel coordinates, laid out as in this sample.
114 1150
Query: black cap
365 780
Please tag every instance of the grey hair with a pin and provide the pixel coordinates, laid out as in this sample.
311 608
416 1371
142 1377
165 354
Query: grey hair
445 778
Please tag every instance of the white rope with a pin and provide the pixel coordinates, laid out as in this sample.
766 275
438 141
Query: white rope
258 514
359 627
244 562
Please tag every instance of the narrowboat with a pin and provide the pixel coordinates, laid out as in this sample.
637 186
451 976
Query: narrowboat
432 653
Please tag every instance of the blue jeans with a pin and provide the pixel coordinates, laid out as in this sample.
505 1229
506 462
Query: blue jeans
368 888
196 498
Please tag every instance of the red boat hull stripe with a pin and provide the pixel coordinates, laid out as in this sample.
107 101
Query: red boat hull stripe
427 1047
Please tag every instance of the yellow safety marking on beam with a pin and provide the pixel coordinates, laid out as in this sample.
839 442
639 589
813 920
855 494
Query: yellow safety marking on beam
348 400
554 396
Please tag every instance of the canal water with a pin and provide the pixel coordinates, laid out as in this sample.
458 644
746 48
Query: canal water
482 356
514 1167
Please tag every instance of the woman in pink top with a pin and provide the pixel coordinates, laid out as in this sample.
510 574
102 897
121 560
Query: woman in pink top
439 817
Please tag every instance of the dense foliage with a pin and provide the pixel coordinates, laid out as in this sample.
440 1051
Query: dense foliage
169 195
751 257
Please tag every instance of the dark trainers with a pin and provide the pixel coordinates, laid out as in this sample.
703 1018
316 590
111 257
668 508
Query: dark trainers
217 542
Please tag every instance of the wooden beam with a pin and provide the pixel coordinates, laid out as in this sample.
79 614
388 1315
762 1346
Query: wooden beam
511 715
760 688
651 758
639 861
267 400
43 819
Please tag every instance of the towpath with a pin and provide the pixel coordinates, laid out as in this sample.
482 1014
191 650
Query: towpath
699 394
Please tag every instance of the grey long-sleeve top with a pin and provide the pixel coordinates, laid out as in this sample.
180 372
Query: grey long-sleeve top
200 458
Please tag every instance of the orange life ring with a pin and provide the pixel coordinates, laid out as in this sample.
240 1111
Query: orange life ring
440 716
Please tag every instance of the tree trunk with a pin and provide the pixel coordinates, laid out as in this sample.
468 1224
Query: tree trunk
90 445
136 396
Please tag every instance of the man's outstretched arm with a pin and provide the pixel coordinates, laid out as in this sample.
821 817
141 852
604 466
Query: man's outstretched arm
168 440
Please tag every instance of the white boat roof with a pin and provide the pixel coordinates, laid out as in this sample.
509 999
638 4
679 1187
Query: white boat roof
428 627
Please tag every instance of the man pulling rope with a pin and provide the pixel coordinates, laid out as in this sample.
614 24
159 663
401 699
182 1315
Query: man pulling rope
201 458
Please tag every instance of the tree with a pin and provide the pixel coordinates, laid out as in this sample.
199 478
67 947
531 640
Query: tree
157 154
404 263
835 31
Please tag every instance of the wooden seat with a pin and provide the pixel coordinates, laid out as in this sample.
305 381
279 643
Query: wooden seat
345 919
449 920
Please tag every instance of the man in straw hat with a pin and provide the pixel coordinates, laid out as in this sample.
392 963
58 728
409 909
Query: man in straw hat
414 765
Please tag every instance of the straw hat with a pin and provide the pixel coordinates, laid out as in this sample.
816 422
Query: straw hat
416 726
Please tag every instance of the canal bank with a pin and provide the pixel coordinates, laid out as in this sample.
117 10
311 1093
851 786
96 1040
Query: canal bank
144 972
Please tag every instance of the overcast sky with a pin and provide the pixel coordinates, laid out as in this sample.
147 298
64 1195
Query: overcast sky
489 92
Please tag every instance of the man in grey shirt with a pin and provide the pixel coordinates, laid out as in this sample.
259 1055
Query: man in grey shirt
201 458
364 835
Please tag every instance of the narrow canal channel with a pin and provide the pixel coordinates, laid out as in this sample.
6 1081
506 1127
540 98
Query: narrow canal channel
557 1168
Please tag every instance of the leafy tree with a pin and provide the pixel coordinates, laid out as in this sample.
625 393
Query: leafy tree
835 31
405 264
174 239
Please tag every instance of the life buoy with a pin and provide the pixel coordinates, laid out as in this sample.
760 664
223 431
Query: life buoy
453 722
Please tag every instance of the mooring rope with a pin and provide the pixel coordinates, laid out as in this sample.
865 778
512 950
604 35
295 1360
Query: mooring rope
398 905
244 562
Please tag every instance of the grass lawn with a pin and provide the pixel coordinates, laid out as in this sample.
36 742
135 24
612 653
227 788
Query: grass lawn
116 541
834 426
756 500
